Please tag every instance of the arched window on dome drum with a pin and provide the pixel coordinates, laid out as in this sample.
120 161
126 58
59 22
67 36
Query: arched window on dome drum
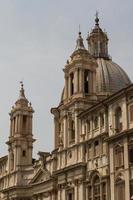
118 119
86 81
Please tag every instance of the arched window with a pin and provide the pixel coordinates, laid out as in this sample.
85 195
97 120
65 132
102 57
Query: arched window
96 122
102 120
96 188
72 132
118 119
96 148
86 81
72 83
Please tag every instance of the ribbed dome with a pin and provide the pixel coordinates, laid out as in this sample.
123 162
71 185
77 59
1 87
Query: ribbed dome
110 77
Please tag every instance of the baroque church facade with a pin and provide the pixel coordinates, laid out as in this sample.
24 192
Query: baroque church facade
93 139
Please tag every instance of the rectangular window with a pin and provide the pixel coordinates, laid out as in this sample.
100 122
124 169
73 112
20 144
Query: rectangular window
24 122
104 191
120 191
70 195
89 193
96 148
119 157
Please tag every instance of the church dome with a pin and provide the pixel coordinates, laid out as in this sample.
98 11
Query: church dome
110 77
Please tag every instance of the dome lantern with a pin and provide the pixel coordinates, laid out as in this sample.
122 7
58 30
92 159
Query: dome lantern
98 41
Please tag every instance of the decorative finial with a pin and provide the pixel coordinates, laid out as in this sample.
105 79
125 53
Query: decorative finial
79 30
21 93
21 84
97 18
80 44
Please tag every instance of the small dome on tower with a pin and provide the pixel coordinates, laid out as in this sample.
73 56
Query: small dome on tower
80 50
22 100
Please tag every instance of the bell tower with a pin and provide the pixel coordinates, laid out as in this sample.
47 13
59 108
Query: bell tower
21 140
80 73
79 93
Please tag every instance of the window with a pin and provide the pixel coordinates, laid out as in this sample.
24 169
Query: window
131 113
118 119
90 193
86 81
96 148
131 155
96 188
24 122
24 153
12 160
104 191
102 120
72 131
131 189
96 122
120 190
72 83
70 195
119 156
89 151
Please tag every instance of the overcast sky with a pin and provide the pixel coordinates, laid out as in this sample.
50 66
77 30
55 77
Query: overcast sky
36 39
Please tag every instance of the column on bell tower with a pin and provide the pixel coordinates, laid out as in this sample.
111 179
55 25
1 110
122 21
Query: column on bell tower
21 138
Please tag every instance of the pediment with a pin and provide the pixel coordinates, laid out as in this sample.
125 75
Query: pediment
41 176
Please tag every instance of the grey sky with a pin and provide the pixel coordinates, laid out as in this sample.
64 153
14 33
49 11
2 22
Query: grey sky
36 39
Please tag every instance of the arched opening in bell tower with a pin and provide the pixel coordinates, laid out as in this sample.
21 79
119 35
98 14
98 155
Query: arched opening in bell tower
72 83
86 81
